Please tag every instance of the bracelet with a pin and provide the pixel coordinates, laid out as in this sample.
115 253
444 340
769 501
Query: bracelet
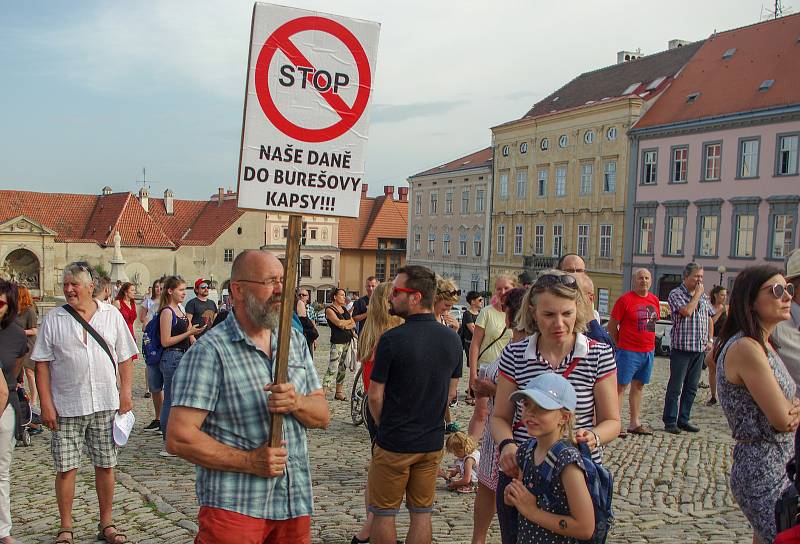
596 438
505 443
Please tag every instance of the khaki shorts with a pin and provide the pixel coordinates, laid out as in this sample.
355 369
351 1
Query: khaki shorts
392 475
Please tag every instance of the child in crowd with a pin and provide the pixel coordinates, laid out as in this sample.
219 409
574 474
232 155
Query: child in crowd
463 475
561 511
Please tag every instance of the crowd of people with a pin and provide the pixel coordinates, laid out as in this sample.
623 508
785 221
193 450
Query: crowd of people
545 379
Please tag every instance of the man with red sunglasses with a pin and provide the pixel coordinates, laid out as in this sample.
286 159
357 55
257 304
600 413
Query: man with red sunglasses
415 375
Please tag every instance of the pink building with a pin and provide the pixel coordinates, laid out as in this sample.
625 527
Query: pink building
716 175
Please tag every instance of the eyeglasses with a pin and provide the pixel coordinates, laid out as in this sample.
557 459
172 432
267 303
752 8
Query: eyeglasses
549 280
778 289
397 290
574 270
269 282
456 293
203 286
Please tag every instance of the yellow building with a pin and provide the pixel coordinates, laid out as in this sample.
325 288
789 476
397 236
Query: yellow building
561 172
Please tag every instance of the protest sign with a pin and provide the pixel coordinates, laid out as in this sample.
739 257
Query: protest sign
309 83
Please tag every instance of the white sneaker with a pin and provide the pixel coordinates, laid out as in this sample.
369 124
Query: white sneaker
165 453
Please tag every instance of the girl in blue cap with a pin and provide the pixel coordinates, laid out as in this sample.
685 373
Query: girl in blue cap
563 510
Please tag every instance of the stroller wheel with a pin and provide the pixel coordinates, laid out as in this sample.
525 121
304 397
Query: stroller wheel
26 437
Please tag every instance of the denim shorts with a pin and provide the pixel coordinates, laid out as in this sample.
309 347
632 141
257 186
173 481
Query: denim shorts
155 378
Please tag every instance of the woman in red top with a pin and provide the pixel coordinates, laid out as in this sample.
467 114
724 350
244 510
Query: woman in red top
378 321
125 302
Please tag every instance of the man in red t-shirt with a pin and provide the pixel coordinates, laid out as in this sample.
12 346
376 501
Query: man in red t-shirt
633 328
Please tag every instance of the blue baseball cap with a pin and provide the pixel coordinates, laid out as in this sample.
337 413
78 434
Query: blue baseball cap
551 391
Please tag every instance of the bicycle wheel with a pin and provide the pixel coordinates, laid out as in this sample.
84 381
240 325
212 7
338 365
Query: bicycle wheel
357 399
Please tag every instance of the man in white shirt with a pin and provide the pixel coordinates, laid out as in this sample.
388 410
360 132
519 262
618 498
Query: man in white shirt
77 382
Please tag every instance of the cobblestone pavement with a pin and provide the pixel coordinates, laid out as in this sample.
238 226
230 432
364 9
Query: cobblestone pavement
668 488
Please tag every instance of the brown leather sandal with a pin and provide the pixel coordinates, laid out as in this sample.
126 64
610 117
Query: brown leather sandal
114 537
61 531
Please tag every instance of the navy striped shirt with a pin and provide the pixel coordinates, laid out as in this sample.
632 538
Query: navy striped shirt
589 363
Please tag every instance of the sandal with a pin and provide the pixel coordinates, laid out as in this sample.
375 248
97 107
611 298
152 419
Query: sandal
641 429
113 537
340 396
61 531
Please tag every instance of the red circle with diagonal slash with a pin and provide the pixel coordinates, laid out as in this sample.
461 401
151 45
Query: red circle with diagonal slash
280 40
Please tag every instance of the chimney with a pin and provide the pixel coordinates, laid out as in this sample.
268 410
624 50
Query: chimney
364 188
674 44
220 195
402 193
627 56
388 191
168 202
107 190
144 198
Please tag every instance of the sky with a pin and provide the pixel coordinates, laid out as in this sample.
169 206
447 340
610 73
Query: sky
93 91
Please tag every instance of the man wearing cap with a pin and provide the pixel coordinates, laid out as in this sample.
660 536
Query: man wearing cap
200 310
633 329
77 383
787 333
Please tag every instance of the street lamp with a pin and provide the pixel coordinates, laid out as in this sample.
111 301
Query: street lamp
721 269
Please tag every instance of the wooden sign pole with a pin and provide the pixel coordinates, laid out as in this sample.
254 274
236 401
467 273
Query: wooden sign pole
281 373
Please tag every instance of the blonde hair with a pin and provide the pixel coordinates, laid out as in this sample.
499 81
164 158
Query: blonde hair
444 288
526 319
460 441
377 322
568 428
509 278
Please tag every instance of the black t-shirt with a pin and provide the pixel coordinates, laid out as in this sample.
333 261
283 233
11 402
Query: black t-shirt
416 362
13 345
466 319
359 308
203 313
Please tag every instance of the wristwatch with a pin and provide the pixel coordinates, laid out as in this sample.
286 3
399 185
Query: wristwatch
505 443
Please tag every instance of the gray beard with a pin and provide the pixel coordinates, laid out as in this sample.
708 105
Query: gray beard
260 314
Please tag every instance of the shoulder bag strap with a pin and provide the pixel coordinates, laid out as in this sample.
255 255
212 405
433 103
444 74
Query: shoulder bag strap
93 333
493 343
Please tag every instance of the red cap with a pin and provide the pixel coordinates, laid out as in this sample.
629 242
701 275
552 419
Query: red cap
199 281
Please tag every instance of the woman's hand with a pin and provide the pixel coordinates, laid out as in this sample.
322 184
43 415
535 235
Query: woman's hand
194 329
508 460
587 437
484 388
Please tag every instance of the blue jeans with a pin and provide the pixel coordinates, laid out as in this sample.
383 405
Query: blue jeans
684 376
507 516
168 365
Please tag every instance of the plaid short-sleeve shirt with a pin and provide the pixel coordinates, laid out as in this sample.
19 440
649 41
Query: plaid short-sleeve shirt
689 333
224 373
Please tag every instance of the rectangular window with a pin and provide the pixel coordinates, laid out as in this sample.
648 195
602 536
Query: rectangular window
583 240
313 234
680 162
782 236
649 167
561 180
418 204
327 268
787 155
504 185
541 187
712 162
518 241
434 202
610 177
558 240
305 268
446 243
479 201
647 225
324 296
380 270
675 226
448 202
462 244
477 246
587 173
228 256
501 239
417 241
394 264
708 235
465 201
522 183
745 226
474 285
605 241
431 243
538 240
748 158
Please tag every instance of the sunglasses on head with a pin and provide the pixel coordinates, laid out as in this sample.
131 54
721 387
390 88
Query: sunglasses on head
456 293
778 289
397 290
548 280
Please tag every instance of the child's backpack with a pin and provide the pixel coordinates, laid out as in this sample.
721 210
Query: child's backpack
151 339
598 479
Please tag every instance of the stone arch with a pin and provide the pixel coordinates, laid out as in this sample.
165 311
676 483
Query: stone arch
23 266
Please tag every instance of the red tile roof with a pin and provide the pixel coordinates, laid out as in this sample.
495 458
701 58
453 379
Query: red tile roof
378 217
473 160
95 218
763 51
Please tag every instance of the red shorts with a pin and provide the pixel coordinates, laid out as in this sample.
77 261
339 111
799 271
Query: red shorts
218 526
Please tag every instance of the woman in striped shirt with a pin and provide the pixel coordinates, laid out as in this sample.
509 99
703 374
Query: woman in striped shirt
555 313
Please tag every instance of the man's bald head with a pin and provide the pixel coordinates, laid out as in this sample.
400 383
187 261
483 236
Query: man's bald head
252 259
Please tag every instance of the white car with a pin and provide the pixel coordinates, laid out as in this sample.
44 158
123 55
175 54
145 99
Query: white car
663 337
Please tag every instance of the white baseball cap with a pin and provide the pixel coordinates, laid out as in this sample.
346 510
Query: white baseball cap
793 265
123 424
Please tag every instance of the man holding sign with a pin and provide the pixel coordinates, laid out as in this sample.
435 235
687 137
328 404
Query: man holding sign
223 399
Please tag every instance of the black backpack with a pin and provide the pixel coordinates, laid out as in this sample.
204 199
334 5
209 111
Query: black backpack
787 508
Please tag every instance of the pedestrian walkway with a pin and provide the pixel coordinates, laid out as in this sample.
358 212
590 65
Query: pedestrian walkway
667 488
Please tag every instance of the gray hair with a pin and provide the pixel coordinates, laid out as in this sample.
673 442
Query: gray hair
100 285
81 270
690 268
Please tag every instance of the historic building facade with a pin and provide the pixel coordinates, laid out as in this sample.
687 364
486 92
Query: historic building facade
448 220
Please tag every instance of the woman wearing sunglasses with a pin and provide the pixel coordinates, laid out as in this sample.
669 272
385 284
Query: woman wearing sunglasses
554 313
757 394
447 294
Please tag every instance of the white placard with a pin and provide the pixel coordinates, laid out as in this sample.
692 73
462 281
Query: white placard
309 86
